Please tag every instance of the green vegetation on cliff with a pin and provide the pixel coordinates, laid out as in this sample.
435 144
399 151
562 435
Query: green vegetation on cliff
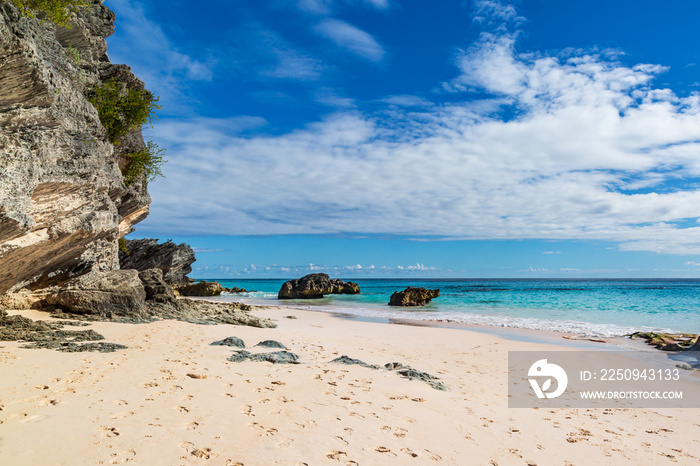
123 109
55 11
146 161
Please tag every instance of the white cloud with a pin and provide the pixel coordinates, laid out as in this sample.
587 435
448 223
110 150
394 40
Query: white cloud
324 7
294 64
551 252
696 264
347 36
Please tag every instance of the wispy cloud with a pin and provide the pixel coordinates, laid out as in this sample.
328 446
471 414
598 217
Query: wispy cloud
158 62
324 7
347 36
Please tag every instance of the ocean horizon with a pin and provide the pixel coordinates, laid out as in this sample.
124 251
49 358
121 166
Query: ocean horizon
593 307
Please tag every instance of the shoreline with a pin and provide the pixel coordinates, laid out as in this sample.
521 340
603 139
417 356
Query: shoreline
546 336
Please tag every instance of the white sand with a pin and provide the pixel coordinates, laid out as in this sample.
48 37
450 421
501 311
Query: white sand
140 405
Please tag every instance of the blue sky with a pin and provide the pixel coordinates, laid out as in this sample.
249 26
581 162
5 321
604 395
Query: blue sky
371 138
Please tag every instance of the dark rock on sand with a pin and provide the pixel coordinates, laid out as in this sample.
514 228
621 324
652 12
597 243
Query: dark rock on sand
174 260
239 356
114 293
314 286
413 374
70 347
412 296
230 341
50 335
277 357
271 344
201 288
431 380
392 366
202 312
344 359
669 341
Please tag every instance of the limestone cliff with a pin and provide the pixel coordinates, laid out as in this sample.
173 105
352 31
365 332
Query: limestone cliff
63 201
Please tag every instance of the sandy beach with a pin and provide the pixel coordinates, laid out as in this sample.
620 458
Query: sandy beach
171 399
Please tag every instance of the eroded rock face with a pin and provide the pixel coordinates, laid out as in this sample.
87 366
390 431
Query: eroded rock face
174 260
115 293
314 286
63 202
413 296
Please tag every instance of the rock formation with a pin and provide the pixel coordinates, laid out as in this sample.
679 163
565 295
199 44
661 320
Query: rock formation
63 200
202 288
412 296
314 286
142 254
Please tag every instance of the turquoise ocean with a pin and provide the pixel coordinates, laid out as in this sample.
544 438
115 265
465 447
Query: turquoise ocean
589 307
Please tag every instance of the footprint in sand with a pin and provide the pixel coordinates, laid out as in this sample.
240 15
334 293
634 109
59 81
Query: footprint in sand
109 431
247 410
341 440
264 432
123 457
285 443
385 451
336 455
192 425
123 414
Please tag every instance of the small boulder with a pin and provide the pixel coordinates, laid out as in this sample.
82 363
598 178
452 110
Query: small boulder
271 344
413 296
314 286
230 341
277 357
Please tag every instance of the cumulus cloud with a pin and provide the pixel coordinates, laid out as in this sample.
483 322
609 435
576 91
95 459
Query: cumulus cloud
347 36
570 145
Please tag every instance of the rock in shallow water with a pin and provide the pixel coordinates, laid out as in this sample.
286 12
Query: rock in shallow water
413 296
314 286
